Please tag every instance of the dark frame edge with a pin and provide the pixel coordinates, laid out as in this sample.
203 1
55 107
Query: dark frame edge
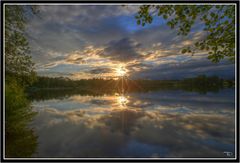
130 2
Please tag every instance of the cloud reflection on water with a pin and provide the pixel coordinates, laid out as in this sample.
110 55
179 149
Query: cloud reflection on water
141 127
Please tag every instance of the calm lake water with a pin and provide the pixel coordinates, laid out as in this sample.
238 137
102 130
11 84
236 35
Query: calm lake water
169 124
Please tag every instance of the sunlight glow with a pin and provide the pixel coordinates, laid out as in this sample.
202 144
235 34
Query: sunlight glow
121 71
122 100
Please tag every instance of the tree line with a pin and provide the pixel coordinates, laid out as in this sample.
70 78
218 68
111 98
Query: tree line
46 87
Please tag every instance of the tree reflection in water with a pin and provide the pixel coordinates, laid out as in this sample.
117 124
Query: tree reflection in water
153 124
21 140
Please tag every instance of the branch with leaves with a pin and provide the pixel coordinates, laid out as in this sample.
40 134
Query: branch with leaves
18 61
218 21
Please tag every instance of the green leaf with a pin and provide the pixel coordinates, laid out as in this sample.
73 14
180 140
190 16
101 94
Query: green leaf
212 14
184 51
138 22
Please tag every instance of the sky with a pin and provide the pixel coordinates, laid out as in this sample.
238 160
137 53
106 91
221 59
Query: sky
104 41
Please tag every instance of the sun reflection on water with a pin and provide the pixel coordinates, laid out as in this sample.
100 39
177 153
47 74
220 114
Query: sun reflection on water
122 100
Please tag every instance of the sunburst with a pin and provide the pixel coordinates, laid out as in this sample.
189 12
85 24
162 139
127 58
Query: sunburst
121 71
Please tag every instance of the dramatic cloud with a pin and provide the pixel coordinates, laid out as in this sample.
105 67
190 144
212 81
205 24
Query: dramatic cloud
123 50
78 60
100 70
75 58
138 67
76 39
189 68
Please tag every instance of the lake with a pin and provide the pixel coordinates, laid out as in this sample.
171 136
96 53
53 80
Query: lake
166 124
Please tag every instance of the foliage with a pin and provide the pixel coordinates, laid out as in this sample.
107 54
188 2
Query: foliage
202 84
17 59
218 20
19 70
20 140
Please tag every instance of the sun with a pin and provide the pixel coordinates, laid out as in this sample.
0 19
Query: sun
121 71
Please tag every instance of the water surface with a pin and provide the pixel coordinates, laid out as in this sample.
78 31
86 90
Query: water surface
172 124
